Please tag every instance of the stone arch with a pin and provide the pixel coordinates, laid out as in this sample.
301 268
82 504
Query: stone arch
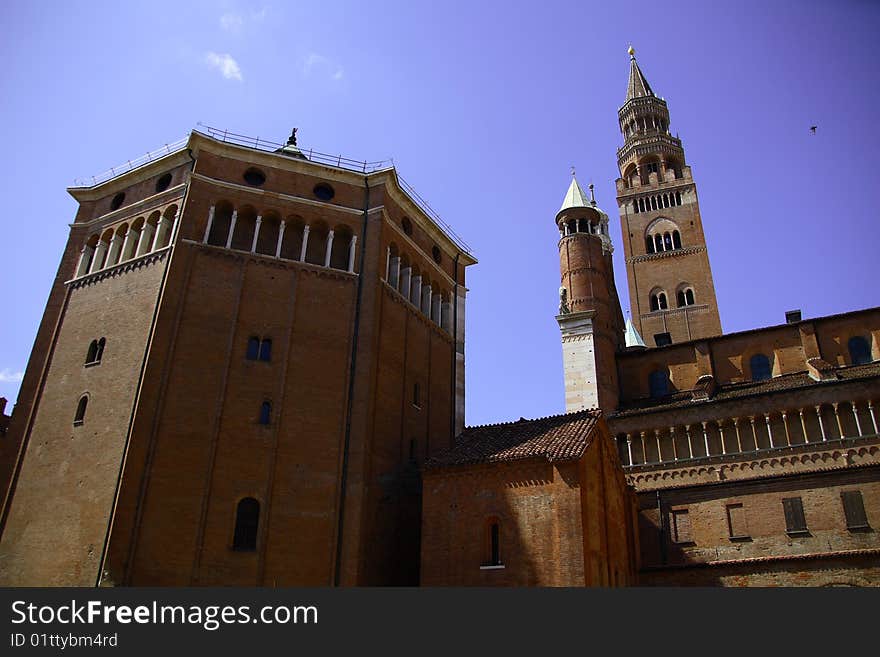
291 244
316 249
220 226
245 225
339 250
267 240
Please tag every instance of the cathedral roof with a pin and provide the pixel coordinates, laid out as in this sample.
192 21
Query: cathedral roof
555 438
575 197
638 85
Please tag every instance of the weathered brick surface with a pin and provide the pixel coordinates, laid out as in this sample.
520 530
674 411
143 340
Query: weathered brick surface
563 524
58 518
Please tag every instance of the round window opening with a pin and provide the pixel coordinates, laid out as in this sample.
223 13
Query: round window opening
436 253
407 225
324 191
116 203
254 177
163 183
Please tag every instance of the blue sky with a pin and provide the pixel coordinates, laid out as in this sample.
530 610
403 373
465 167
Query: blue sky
484 107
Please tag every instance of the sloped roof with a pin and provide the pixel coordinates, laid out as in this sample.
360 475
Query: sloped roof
638 86
555 438
575 197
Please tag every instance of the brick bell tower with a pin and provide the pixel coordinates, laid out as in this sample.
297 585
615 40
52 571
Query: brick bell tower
589 309
671 292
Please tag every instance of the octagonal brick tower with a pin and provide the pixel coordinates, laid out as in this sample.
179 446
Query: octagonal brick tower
589 310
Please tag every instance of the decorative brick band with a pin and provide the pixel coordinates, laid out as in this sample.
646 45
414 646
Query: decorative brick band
117 269
666 254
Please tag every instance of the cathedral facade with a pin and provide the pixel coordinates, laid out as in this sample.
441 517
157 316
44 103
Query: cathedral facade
250 371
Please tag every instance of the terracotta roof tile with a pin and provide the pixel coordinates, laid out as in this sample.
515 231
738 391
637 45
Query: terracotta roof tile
555 438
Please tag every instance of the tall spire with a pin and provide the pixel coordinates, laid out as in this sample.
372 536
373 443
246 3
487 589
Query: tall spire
638 86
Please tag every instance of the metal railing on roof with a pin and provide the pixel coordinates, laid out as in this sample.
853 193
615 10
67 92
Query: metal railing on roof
104 176
267 145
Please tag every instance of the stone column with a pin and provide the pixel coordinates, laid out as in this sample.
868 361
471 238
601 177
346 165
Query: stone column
839 423
329 248
415 296
804 425
146 238
210 224
720 424
305 244
855 412
256 233
629 448
426 300
113 252
871 413
705 438
769 430
231 229
128 245
161 232
687 430
83 267
644 452
821 424
739 445
674 448
352 251
754 432
659 451
446 316
280 238
787 436
435 308
98 260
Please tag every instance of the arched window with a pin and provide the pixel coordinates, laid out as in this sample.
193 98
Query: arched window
654 303
493 542
667 242
676 239
266 349
689 297
636 207
100 353
680 298
759 365
658 243
661 301
253 348
247 521
92 353
859 350
677 195
265 412
658 383
80 416
649 244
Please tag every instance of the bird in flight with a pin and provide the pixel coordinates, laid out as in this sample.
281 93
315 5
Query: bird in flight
813 129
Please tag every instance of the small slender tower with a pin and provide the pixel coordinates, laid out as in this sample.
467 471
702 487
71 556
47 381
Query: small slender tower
589 310
671 292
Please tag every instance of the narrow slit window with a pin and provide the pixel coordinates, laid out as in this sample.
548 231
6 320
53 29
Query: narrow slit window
266 349
247 522
80 415
253 348
265 412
